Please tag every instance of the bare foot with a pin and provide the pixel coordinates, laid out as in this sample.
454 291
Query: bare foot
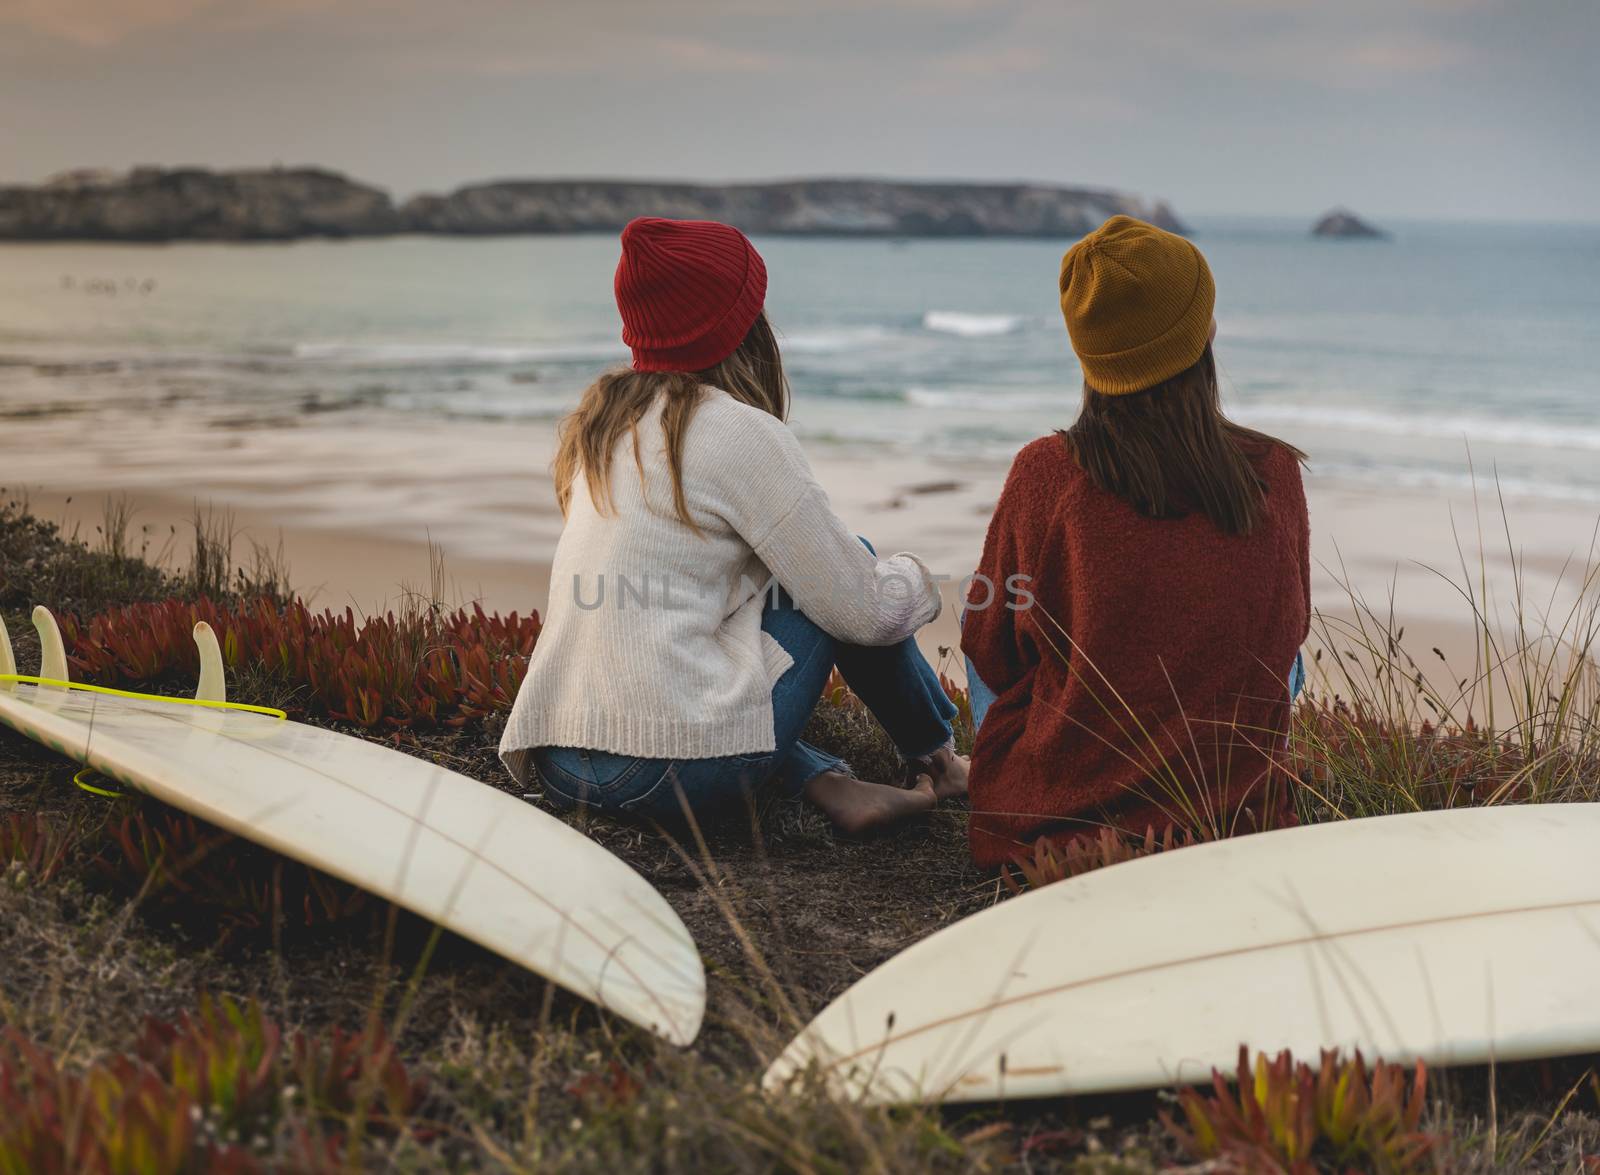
945 769
858 808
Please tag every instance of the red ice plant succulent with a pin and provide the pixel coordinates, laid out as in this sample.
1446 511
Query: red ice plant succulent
609 1087
224 1058
191 868
182 1099
346 1073
1051 860
1281 1116
421 669
35 843
1344 752
118 1115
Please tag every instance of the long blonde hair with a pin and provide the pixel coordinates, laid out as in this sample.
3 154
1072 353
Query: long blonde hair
614 404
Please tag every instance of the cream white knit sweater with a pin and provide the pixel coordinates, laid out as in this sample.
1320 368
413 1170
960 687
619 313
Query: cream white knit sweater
652 643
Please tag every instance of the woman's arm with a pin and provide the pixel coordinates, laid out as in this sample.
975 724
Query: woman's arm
766 491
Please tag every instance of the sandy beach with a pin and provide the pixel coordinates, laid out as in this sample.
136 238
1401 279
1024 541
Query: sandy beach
356 500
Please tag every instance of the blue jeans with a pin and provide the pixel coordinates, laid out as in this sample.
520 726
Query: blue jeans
895 681
982 697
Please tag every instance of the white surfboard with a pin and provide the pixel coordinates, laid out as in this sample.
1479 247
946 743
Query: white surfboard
449 848
1450 937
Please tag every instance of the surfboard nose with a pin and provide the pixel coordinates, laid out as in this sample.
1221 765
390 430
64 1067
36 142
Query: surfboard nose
801 1054
673 1005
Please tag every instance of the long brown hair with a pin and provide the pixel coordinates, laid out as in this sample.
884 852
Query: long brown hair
1169 451
615 403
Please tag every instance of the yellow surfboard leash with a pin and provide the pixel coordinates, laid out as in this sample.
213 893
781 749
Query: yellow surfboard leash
30 679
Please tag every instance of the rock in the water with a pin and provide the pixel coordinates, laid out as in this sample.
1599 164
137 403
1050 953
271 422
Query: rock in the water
1343 223
820 207
156 204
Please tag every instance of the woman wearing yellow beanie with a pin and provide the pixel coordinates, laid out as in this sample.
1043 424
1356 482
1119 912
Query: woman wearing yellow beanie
1145 583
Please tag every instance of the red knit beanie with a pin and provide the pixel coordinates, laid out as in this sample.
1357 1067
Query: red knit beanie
688 290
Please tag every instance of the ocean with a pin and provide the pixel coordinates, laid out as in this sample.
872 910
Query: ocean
1411 362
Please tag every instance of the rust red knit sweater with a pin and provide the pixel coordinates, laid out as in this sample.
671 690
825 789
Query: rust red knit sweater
1148 683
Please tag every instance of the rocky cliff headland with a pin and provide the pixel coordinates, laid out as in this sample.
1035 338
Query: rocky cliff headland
831 207
279 204
155 204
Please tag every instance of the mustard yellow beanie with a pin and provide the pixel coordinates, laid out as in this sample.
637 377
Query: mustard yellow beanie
1138 305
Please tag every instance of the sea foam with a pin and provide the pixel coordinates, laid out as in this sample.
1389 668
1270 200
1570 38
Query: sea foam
1451 427
999 399
1415 478
453 354
829 341
971 326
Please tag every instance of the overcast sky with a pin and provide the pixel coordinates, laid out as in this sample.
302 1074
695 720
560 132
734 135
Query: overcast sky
1454 108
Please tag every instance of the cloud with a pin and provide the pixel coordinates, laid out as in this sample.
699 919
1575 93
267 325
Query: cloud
1269 42
1408 55
576 53
95 24
1003 61
696 53
100 24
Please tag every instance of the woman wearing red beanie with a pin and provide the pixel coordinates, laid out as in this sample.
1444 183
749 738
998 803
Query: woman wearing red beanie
1145 582
703 590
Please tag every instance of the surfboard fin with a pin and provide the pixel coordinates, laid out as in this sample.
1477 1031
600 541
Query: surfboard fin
52 652
212 687
8 661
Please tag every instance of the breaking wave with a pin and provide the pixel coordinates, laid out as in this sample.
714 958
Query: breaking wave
1000 399
971 326
1483 429
830 341
453 354
1408 477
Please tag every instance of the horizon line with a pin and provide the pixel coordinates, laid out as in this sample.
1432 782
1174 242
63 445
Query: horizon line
824 177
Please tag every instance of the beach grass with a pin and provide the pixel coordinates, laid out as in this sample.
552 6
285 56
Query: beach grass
1387 729
340 1034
